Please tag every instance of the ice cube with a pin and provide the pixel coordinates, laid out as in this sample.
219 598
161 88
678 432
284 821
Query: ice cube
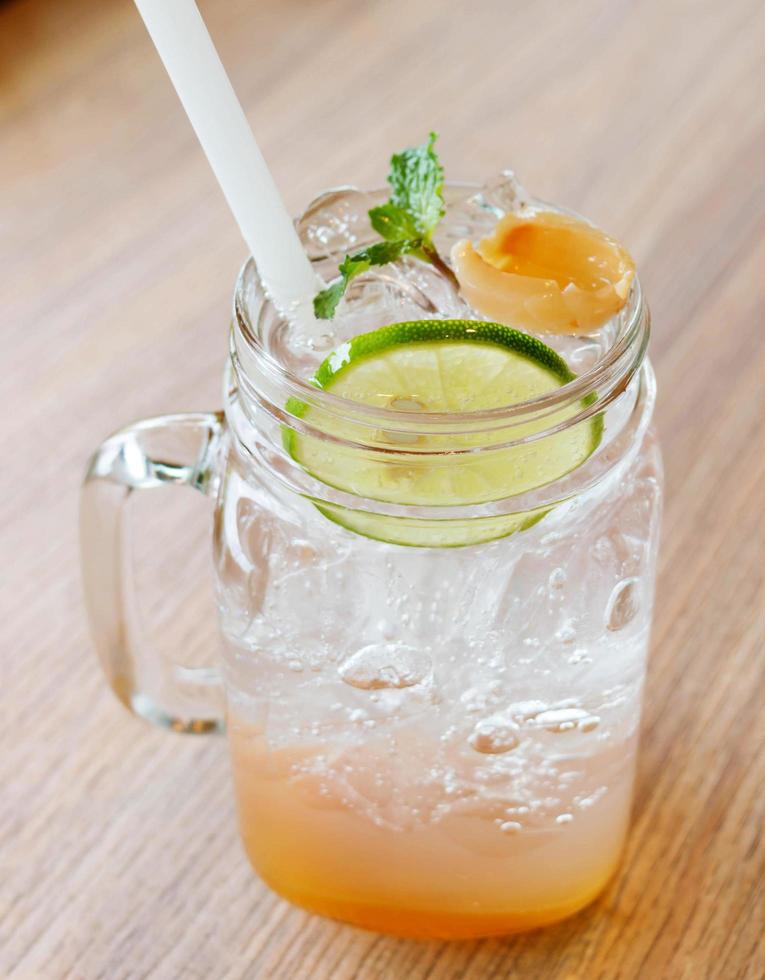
335 223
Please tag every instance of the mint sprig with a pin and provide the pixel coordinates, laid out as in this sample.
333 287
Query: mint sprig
406 222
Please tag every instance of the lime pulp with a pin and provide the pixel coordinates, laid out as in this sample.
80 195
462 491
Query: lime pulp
450 367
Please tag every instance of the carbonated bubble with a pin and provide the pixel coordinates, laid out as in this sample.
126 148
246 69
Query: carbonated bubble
385 665
588 724
523 711
510 827
566 719
495 735
622 605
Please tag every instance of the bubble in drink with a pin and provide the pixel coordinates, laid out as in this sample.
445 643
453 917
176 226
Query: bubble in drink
385 665
622 605
566 719
494 736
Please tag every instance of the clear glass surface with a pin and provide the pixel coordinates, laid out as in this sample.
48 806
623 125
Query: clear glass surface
433 741
429 741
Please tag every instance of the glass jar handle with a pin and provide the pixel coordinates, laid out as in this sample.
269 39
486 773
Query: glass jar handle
171 449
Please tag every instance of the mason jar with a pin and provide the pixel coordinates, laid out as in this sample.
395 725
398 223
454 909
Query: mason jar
433 712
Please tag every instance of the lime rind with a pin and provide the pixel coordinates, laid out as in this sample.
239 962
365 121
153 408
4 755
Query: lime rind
429 331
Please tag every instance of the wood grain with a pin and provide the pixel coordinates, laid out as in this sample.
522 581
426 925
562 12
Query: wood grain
119 857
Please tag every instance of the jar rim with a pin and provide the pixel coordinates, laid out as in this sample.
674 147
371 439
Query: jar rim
613 370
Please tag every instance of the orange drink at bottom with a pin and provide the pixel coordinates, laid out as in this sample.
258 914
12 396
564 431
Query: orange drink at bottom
374 836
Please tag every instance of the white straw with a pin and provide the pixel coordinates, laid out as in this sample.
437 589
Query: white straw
187 51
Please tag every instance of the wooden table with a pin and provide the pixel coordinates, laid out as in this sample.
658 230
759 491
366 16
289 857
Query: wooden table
119 851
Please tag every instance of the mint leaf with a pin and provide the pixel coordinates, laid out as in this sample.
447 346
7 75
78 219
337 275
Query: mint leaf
406 222
417 179
392 222
381 253
325 302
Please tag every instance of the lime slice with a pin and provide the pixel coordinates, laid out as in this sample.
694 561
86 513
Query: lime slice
443 366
